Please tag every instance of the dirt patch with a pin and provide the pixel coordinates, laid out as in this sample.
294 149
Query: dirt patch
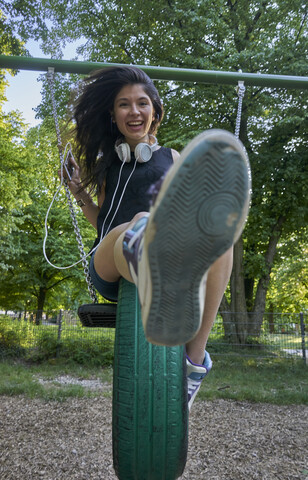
228 440
91 384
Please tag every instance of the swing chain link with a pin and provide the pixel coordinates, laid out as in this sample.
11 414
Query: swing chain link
80 244
50 78
241 92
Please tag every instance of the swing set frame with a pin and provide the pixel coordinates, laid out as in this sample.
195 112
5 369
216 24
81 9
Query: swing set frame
158 73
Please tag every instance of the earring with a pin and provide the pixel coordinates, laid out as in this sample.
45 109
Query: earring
112 126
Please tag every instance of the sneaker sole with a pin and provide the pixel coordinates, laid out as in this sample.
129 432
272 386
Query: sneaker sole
196 226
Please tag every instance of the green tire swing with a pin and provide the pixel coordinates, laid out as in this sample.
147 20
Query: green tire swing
149 408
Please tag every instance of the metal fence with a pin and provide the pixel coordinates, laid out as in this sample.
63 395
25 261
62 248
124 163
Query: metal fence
281 335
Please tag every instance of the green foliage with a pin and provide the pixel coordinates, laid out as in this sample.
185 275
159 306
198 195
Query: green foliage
28 281
9 43
254 36
23 19
10 341
38 343
46 345
288 290
15 336
17 380
87 352
250 36
29 352
14 159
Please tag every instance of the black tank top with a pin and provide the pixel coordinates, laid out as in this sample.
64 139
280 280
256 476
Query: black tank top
136 197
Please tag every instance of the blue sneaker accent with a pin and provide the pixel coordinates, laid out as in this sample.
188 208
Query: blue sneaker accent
132 246
195 375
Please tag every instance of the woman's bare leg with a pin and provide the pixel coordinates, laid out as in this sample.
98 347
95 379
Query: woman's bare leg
110 264
109 261
217 281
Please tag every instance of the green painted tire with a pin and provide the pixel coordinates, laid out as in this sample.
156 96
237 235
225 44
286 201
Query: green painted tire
149 413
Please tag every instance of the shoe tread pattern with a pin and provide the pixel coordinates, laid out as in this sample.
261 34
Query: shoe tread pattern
211 213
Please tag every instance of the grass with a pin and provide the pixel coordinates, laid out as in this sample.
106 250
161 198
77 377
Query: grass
277 381
29 353
21 378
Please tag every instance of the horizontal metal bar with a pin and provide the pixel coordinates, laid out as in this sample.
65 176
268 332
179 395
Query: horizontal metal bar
158 73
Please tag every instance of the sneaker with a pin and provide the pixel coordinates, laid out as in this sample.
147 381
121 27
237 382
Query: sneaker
195 375
132 246
199 213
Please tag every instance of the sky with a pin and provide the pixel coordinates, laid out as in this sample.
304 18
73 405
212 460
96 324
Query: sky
23 92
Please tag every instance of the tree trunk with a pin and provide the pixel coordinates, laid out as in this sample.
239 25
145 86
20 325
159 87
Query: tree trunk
235 315
271 319
238 299
40 305
228 320
260 298
249 290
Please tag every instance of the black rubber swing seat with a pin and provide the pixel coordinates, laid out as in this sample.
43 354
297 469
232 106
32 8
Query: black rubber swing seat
98 315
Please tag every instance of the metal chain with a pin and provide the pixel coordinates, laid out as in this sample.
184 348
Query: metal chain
91 289
241 92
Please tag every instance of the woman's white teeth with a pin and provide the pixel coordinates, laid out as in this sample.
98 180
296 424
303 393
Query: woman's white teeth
134 123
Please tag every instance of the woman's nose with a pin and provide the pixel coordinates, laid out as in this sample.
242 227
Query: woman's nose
134 108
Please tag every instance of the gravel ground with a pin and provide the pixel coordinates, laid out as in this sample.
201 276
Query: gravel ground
228 440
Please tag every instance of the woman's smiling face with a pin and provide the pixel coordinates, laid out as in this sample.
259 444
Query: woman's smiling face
133 112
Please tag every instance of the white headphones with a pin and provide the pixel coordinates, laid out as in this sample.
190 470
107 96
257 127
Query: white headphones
143 151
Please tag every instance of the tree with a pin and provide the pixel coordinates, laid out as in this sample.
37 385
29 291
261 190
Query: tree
12 172
27 181
19 21
290 274
254 36
10 44
27 276
12 134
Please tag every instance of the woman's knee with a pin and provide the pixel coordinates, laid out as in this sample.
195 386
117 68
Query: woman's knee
137 217
108 259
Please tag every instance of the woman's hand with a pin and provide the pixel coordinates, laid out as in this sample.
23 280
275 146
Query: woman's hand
71 173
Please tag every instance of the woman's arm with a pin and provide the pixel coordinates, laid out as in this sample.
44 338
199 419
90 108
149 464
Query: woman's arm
88 207
83 198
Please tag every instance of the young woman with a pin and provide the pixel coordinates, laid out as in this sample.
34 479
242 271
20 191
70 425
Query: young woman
166 222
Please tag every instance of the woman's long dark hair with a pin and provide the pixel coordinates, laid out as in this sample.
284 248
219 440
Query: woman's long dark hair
95 132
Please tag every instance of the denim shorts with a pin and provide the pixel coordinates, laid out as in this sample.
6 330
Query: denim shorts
108 290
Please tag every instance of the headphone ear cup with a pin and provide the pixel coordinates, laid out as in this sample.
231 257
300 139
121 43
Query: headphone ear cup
123 152
143 152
